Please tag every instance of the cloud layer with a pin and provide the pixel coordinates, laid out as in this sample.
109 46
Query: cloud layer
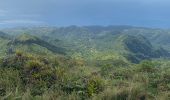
153 13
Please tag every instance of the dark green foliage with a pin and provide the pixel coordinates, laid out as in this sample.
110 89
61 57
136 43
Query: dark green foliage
140 48
138 45
3 89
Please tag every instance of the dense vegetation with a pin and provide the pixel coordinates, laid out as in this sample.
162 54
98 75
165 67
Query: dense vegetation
84 63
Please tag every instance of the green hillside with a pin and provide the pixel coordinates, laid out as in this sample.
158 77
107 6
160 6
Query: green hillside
139 48
84 63
29 40
92 42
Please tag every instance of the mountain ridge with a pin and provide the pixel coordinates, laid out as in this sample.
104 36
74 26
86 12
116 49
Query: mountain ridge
89 42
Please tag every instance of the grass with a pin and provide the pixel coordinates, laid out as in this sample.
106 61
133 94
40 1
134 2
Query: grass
39 78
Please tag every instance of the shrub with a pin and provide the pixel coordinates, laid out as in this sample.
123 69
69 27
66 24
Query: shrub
38 76
2 89
94 85
106 69
122 73
147 66
9 81
15 61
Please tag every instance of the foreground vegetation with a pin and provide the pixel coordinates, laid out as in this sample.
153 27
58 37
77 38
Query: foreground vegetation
25 76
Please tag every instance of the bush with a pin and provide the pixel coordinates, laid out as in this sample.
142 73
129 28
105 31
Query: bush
38 76
106 69
147 66
9 81
94 85
122 73
15 61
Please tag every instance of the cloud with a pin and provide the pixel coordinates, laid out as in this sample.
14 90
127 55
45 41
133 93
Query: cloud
29 15
21 21
8 18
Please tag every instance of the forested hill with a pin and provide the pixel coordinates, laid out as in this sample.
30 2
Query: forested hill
102 42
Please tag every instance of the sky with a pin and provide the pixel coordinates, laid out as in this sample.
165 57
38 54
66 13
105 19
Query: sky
146 13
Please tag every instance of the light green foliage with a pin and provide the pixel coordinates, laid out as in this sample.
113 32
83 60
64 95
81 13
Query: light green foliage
147 66
94 85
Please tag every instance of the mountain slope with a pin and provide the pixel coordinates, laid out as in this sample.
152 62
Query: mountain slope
4 39
139 48
33 43
101 42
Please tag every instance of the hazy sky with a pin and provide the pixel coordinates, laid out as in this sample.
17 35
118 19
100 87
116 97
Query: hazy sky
152 13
